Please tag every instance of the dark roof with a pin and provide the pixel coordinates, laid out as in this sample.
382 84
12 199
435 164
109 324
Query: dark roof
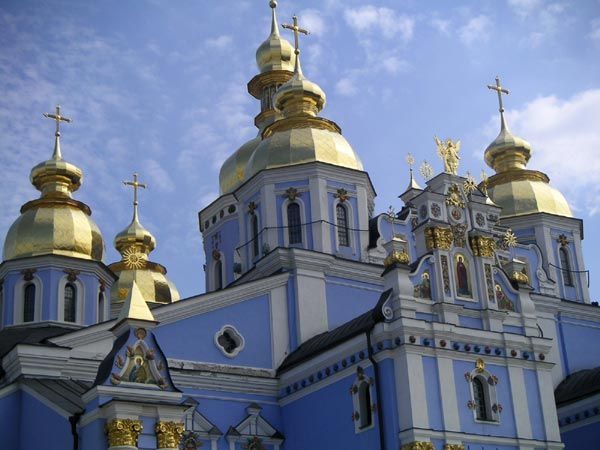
65 394
329 339
577 386
9 337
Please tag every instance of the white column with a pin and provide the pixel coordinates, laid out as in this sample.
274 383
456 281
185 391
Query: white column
448 395
311 304
410 381
548 406
269 216
520 404
363 221
279 325
320 211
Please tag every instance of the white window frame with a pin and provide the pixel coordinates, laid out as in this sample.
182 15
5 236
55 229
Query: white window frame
350 216
236 333
213 269
361 377
491 397
79 300
102 314
285 222
20 300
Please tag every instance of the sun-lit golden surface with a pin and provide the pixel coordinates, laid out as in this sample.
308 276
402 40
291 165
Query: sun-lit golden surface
517 190
275 53
55 224
233 170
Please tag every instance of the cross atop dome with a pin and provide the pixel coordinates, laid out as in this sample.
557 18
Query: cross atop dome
295 28
135 184
58 118
500 90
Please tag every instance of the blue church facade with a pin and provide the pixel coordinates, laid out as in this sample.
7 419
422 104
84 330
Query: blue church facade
461 322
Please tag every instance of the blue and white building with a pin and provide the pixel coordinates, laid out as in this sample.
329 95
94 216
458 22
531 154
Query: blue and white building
463 321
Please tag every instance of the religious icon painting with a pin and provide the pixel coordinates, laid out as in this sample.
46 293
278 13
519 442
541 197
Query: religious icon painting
423 289
463 283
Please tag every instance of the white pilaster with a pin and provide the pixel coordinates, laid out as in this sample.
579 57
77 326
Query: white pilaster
311 304
448 395
279 325
410 381
520 403
548 405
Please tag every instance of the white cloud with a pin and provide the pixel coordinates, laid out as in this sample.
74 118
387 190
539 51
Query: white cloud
477 29
523 8
382 20
394 65
565 140
312 20
219 42
346 87
158 176
441 25
595 29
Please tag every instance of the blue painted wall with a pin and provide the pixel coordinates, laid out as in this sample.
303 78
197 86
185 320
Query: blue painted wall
574 333
193 338
583 438
432 393
347 299
49 427
10 423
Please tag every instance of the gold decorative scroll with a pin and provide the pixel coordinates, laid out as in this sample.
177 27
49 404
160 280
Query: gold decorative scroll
396 256
418 446
454 447
123 432
168 434
483 246
520 277
438 238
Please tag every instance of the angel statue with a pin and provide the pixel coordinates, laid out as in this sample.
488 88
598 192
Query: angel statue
448 151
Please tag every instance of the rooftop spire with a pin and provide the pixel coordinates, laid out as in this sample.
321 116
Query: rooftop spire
500 90
297 31
136 185
56 155
412 184
274 27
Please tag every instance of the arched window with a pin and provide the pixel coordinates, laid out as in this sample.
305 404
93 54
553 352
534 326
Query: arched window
29 303
254 235
480 399
101 306
294 223
364 400
342 225
565 264
218 275
70 303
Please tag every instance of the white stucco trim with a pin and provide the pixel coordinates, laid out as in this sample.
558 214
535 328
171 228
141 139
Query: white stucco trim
285 222
241 342
350 217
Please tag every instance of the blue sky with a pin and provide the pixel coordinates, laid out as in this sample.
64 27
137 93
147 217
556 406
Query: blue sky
159 87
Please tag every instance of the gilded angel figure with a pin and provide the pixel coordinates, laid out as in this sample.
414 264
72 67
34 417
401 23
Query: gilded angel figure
448 151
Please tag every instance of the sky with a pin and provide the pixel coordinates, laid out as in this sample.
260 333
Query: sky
159 87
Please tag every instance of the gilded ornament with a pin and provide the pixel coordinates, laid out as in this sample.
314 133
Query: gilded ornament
438 238
469 185
72 274
123 432
168 434
396 257
134 259
448 152
28 274
454 197
291 194
251 208
520 277
482 246
562 240
454 447
509 239
123 293
479 365
426 170
341 195
418 446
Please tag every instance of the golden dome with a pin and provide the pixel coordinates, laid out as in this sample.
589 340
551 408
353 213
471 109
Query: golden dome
135 244
233 170
55 224
517 190
275 53
301 136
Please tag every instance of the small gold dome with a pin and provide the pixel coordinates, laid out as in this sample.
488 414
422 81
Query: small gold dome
55 224
526 192
303 145
300 95
275 53
507 152
135 236
233 170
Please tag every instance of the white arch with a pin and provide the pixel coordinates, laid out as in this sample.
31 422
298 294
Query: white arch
79 299
285 221
19 297
350 217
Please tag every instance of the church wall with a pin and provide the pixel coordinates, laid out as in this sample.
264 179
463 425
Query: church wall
506 426
323 420
194 338
389 408
92 436
347 299
534 404
10 423
224 238
574 334
432 392
49 426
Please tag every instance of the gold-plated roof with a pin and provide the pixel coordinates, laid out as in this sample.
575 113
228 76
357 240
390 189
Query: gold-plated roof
135 244
55 223
516 189
135 306
233 170
275 53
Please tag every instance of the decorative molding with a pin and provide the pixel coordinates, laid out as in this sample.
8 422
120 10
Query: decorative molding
123 432
482 246
438 238
417 445
168 434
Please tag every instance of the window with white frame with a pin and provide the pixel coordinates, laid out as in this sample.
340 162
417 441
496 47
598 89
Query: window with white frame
565 264
229 340
294 223
70 303
343 234
483 402
362 400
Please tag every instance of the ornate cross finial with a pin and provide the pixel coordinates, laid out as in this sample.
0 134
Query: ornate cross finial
426 170
136 185
297 31
410 160
58 118
500 90
392 215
